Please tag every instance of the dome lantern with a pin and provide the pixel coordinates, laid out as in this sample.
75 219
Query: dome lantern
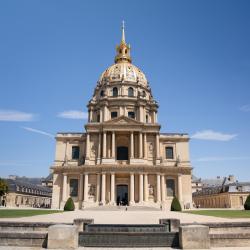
123 50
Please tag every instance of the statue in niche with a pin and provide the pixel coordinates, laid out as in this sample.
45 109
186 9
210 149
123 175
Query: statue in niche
92 189
150 149
93 149
151 190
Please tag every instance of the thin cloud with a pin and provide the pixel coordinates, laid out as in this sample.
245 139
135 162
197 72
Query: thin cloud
38 131
245 108
213 136
73 114
219 158
15 116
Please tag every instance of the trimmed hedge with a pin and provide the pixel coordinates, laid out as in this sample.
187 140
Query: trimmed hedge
69 205
175 205
247 203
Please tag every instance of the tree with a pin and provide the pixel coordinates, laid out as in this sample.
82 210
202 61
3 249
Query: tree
247 203
175 205
3 187
69 205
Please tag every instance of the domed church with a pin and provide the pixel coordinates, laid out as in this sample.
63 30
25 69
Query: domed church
122 158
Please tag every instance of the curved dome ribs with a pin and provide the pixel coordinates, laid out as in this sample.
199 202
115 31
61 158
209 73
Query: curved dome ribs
123 88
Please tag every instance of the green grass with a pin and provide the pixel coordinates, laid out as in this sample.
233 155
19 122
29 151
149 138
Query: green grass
222 213
15 213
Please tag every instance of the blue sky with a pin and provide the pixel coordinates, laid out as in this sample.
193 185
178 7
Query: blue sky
195 54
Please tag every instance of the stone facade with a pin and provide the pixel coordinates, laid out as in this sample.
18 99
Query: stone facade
122 158
23 194
231 195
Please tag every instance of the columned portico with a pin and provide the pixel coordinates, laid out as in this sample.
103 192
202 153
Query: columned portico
112 188
140 188
103 199
158 183
132 189
65 187
163 188
86 187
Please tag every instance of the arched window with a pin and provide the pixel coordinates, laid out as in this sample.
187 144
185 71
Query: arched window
102 93
130 92
115 92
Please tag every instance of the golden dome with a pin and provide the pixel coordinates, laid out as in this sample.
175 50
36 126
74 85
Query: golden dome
123 70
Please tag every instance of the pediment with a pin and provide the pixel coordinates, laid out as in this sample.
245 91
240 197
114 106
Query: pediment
123 120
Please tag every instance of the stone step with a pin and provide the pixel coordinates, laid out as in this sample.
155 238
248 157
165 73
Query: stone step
128 239
23 239
24 226
230 239
146 228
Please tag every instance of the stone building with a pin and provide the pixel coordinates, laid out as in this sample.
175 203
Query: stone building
24 194
226 195
122 158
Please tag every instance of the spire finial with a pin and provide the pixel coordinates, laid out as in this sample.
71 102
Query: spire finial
123 32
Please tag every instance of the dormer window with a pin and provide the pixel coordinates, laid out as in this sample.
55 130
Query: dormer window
115 92
130 92
102 93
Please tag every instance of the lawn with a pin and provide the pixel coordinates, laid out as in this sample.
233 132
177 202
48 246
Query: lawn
222 213
15 213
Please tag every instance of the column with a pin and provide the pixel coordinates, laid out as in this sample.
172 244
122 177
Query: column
103 188
140 188
101 115
86 187
104 155
158 180
140 145
87 146
145 146
65 189
157 146
113 144
163 188
132 188
146 187
97 199
112 189
99 146
180 188
81 188
90 115
105 114
132 145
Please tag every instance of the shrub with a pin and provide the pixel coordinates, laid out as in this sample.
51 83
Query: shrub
247 203
175 205
69 205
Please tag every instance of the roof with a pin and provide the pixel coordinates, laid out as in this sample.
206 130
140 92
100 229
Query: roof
13 184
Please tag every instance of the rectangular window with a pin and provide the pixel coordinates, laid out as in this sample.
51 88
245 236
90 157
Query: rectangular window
131 115
169 153
98 118
170 187
75 152
113 115
73 192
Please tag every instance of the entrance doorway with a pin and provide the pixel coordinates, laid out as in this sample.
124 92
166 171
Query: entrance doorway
122 153
122 195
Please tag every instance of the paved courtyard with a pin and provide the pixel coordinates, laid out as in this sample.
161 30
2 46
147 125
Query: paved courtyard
114 215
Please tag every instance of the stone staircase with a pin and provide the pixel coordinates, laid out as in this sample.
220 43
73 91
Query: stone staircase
23 234
137 235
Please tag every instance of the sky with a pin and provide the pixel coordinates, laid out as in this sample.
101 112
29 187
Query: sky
195 54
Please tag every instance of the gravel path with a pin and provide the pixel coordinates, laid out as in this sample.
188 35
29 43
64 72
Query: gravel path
122 217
